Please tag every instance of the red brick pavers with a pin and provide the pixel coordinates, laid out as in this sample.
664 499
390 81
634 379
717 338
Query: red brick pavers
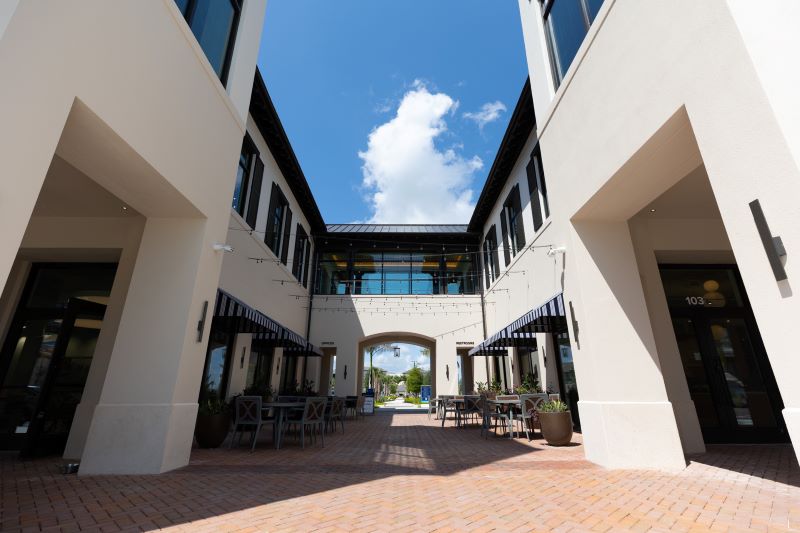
402 472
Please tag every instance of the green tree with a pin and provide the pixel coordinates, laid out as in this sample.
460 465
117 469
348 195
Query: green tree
414 380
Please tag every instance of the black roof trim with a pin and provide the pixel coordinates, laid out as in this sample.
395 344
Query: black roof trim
397 228
520 126
269 124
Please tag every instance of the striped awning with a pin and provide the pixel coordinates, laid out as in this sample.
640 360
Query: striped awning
263 328
547 318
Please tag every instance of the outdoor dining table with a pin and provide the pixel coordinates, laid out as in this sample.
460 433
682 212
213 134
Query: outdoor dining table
510 403
280 415
458 411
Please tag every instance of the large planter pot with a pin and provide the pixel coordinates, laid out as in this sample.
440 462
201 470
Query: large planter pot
556 428
211 430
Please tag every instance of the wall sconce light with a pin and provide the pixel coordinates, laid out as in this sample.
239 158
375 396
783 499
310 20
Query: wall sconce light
396 351
447 371
223 248
345 372
560 250
241 362
773 246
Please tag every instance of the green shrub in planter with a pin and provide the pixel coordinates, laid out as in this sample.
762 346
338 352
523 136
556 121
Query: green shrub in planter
556 422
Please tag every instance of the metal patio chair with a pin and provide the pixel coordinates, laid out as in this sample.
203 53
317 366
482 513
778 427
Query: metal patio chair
335 414
471 408
247 414
313 415
529 403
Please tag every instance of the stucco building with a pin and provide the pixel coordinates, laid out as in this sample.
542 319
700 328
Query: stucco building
161 239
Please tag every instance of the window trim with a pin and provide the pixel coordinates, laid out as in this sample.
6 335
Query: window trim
237 5
537 184
277 198
552 49
516 227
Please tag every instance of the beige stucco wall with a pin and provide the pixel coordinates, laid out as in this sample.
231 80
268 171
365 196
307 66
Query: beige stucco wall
145 117
656 89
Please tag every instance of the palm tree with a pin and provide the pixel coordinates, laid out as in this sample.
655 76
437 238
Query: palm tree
372 350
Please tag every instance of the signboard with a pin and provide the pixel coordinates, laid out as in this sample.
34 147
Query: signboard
369 405
425 393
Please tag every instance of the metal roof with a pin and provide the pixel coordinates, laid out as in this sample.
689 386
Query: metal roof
397 228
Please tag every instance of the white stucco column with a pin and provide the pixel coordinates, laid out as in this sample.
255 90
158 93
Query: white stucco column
144 421
626 417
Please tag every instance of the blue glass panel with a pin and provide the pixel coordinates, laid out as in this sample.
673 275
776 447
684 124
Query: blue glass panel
212 23
594 8
568 28
182 5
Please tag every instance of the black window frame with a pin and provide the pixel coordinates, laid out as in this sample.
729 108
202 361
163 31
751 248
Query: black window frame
252 177
514 239
491 257
537 188
188 12
302 255
552 49
278 229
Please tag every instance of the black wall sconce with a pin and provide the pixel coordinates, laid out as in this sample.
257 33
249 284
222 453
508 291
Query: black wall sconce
241 362
345 372
772 245
447 371
201 324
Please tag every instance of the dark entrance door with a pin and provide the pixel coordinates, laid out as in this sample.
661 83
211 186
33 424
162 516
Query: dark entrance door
567 381
727 370
47 354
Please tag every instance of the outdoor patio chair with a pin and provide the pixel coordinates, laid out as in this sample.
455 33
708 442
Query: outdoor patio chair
491 416
313 415
247 417
471 408
433 407
350 404
360 407
449 405
529 403
334 414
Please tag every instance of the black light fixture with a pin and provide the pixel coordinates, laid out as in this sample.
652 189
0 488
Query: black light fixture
396 351
447 371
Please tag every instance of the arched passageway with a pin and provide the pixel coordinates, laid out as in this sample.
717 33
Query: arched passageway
392 339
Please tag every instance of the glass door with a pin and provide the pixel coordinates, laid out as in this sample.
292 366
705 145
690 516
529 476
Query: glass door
727 369
46 355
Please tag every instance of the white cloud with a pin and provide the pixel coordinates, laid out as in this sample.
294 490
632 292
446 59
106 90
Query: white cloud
407 177
489 112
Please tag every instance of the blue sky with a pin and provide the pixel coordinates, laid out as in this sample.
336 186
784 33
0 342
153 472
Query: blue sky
394 109
398 365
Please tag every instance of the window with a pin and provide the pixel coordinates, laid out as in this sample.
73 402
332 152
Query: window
398 272
249 174
279 223
302 256
536 185
566 23
214 23
491 261
513 228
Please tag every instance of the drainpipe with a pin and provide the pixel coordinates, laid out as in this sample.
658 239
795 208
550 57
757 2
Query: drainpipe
308 318
483 320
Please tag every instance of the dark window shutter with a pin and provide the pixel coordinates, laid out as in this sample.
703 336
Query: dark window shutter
287 232
255 192
307 263
486 267
543 184
504 229
495 255
519 226
269 236
297 266
533 186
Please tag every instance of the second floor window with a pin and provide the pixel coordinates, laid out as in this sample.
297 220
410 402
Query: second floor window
279 224
538 189
512 226
214 24
566 23
302 256
249 174
491 261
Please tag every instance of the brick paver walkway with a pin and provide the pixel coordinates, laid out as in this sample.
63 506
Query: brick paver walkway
403 473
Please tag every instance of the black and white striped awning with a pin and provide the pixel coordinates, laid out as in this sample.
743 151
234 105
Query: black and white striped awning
263 328
547 318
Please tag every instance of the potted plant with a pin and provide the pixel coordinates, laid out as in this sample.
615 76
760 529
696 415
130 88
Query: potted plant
265 391
213 421
556 422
